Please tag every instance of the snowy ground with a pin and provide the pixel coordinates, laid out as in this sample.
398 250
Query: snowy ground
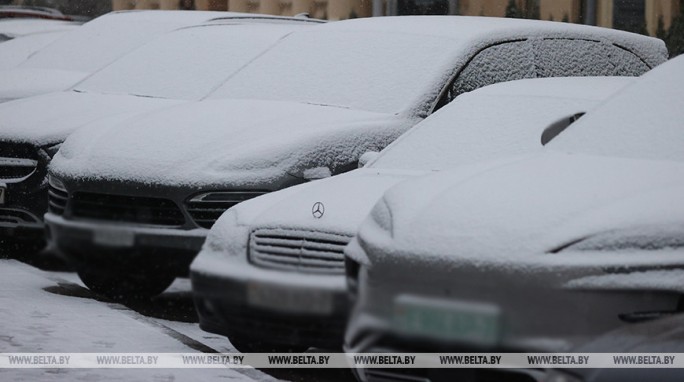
53 312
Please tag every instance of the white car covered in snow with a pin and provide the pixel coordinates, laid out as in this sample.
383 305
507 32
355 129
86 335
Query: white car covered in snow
88 48
137 196
177 67
18 50
13 28
538 254
276 262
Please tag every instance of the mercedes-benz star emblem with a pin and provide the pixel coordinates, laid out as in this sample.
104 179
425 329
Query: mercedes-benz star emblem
318 210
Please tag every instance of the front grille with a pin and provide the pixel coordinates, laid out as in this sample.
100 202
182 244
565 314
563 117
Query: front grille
57 200
301 251
17 160
206 208
17 216
130 209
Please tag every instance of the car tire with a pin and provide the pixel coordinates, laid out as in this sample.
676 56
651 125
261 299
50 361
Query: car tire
126 285
246 345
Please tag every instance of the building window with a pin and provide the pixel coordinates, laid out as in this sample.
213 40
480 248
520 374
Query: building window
629 15
423 7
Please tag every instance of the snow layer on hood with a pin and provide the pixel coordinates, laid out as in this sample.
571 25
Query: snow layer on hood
50 118
19 82
531 206
100 41
642 121
25 27
363 64
241 143
500 120
187 63
16 51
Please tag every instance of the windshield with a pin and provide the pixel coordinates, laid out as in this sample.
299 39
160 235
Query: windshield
494 122
357 70
99 42
185 64
644 121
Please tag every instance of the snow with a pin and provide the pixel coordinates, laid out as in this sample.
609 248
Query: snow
501 120
188 63
464 132
90 47
241 144
38 317
26 27
176 67
50 118
643 121
391 80
16 51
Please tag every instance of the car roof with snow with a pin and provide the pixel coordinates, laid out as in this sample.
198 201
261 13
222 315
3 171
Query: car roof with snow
440 47
191 61
16 51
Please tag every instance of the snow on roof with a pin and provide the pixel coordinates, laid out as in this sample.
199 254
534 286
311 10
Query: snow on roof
355 63
190 62
100 41
504 119
16 51
642 121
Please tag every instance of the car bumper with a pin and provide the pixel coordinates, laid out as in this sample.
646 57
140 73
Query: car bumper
227 305
100 245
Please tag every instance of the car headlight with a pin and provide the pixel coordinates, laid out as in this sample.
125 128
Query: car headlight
56 183
382 216
652 238
51 151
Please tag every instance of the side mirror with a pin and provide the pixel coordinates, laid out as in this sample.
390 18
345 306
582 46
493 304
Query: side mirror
367 157
317 173
558 127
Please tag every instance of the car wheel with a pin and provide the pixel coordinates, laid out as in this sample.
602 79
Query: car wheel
245 345
125 285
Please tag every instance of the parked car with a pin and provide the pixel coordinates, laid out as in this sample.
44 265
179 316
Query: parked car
135 199
180 66
540 254
272 269
88 48
653 337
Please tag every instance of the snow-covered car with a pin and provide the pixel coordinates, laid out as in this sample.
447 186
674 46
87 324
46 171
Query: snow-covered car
88 48
276 262
136 198
656 338
177 67
538 254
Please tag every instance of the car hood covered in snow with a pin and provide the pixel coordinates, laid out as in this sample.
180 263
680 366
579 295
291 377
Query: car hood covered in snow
50 118
237 143
523 213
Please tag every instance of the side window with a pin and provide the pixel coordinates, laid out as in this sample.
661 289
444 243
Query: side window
570 57
499 63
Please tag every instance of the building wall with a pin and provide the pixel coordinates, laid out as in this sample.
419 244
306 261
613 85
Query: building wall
343 9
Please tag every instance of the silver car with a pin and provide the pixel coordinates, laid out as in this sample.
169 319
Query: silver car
540 254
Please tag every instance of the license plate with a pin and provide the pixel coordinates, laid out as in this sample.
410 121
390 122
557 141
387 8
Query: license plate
3 194
114 238
472 323
289 300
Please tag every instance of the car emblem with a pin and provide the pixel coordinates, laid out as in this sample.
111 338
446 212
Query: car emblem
318 210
